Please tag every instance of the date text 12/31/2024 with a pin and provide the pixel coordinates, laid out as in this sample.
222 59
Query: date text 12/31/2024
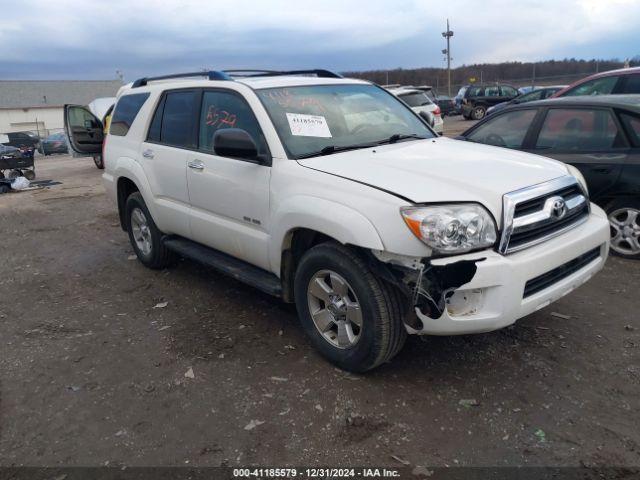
315 473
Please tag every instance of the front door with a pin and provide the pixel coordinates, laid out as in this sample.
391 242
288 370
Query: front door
84 131
588 138
229 197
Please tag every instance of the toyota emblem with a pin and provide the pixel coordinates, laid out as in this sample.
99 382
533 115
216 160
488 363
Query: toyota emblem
559 208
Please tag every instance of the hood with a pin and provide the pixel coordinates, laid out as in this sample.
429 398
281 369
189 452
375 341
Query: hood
442 170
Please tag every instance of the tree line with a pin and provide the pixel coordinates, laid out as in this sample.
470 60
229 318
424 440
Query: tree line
519 74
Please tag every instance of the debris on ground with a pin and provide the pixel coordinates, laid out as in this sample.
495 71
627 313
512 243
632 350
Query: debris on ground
542 437
132 257
401 460
164 327
560 315
253 424
279 379
422 471
189 373
469 402
161 305
629 328
20 183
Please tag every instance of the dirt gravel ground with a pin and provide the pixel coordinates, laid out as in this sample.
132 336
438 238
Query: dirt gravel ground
104 362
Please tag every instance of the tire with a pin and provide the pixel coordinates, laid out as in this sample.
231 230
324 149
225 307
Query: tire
624 221
381 333
145 233
29 174
99 162
4 188
479 112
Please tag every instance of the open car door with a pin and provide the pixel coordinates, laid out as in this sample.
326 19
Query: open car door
84 131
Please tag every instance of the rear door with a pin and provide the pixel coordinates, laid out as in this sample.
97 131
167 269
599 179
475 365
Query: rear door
171 140
84 131
589 138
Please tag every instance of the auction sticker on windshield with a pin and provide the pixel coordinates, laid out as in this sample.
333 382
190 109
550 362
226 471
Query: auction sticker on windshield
302 125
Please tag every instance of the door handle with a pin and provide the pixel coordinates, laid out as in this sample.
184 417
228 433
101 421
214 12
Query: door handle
148 153
196 165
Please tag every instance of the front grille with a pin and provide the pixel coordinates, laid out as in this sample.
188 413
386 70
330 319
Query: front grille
535 214
545 280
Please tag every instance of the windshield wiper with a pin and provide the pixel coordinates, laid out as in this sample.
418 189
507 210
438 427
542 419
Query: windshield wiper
329 149
400 136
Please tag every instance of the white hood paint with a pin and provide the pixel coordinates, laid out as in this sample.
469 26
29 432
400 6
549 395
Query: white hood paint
442 170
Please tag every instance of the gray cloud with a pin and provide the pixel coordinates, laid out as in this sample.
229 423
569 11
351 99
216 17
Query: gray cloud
91 39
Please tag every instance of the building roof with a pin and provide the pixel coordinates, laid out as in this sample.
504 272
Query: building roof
54 93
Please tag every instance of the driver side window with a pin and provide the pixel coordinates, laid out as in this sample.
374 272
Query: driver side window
222 110
506 130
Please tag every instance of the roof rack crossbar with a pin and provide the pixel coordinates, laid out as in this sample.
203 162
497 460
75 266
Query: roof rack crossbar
320 73
211 75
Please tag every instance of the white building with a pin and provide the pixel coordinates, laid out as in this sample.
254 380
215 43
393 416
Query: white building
37 105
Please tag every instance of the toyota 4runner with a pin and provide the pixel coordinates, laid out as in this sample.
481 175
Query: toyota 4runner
333 194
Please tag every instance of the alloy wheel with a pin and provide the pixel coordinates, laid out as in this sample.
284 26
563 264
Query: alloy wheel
625 231
334 309
141 231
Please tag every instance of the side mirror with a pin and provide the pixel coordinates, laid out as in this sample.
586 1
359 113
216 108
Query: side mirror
236 143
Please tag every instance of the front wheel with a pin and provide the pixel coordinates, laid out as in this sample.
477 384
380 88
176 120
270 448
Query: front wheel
624 221
145 237
351 317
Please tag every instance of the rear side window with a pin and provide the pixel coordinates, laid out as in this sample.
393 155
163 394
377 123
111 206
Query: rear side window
125 113
579 130
633 126
631 84
509 92
597 86
506 130
178 118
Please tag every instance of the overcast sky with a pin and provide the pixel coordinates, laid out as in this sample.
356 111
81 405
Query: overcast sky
47 39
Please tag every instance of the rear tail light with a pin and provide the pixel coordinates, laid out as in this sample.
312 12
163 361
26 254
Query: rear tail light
437 111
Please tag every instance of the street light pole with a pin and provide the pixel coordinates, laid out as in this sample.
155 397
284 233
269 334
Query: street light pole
448 34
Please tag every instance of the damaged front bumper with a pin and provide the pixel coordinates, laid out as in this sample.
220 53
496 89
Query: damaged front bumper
485 291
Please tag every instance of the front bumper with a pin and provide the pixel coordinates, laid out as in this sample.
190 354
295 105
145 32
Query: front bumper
494 298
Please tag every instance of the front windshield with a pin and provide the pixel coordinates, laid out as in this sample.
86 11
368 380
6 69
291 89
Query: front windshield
311 120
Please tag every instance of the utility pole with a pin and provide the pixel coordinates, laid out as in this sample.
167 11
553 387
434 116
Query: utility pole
448 34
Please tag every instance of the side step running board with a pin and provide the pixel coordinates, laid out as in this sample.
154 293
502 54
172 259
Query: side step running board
242 271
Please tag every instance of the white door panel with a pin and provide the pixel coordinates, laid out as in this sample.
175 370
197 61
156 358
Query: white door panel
165 168
230 206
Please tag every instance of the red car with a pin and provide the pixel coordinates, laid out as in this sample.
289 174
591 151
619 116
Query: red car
623 81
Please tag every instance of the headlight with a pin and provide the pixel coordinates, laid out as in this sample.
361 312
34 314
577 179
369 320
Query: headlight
451 228
576 173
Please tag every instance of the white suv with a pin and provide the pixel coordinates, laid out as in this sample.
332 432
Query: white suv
422 104
333 194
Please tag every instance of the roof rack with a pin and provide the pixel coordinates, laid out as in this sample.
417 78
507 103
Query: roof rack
211 75
247 73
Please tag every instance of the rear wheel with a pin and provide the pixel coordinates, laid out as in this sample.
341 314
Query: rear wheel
478 112
144 236
624 222
29 174
98 161
351 317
